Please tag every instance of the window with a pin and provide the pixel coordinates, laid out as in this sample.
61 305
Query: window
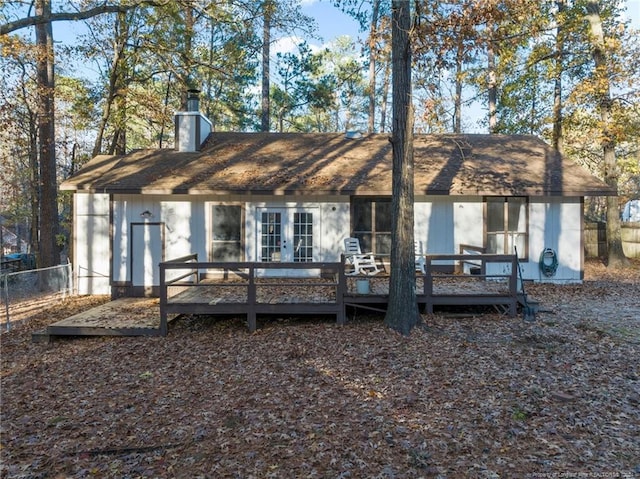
507 225
226 226
371 224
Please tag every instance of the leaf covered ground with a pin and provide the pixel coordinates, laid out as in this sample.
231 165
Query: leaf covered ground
473 396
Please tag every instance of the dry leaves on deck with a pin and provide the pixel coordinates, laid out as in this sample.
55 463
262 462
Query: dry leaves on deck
461 397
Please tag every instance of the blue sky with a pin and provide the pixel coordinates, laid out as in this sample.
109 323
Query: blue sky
333 23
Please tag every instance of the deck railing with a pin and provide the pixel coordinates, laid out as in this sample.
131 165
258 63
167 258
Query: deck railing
471 265
494 286
193 287
188 286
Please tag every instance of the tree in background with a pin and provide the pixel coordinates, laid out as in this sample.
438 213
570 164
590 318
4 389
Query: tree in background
299 84
267 14
445 47
282 16
48 253
46 221
602 80
19 172
349 110
147 53
373 16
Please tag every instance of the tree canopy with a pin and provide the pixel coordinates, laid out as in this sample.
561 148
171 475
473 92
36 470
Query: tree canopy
508 66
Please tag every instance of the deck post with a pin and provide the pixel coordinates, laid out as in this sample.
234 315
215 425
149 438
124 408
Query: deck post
513 286
341 290
163 300
251 300
428 285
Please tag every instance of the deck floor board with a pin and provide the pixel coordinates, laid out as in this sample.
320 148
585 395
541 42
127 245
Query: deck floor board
120 316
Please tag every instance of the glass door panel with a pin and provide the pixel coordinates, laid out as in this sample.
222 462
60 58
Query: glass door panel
271 241
286 235
303 236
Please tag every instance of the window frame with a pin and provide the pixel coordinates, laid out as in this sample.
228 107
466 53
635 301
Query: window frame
211 234
508 234
375 233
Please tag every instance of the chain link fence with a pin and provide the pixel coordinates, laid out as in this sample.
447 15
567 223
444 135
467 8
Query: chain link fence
26 292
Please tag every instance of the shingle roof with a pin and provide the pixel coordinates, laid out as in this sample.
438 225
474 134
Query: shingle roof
330 163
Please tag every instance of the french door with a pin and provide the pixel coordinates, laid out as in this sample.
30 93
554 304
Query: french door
285 235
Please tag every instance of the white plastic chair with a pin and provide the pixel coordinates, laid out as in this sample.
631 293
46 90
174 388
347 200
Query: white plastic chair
421 262
363 263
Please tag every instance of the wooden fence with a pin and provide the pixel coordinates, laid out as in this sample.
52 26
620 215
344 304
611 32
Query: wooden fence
595 239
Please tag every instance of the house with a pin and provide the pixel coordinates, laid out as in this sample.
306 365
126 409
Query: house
294 197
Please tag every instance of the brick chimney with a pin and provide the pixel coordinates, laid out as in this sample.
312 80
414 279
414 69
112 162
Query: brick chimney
192 127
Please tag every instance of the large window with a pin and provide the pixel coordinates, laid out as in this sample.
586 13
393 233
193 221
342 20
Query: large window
226 234
507 225
371 224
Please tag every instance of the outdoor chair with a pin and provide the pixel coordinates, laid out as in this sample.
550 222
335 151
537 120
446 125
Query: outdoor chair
421 263
363 263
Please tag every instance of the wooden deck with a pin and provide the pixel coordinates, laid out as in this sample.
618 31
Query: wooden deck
245 288
121 317
216 288
252 289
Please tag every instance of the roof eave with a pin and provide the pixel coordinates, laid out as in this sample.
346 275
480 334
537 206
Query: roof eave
332 192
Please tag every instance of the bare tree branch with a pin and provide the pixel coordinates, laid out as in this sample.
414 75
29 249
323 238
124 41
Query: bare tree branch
10 27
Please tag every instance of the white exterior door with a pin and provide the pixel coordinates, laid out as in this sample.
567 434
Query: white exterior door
285 234
146 254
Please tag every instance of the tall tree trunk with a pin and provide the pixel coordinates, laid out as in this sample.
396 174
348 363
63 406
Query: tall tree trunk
492 81
373 33
267 7
385 94
48 250
281 113
117 69
212 31
119 140
457 107
121 79
189 81
402 312
558 70
615 252
533 111
34 185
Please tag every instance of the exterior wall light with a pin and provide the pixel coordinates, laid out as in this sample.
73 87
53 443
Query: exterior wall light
146 214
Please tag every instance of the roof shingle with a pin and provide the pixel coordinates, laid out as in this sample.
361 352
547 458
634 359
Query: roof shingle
330 163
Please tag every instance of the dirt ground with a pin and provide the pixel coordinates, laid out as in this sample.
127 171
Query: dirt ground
477 396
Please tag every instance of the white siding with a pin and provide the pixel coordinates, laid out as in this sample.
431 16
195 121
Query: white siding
91 243
183 222
185 231
469 222
556 224
334 228
120 249
441 223
444 223
433 225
